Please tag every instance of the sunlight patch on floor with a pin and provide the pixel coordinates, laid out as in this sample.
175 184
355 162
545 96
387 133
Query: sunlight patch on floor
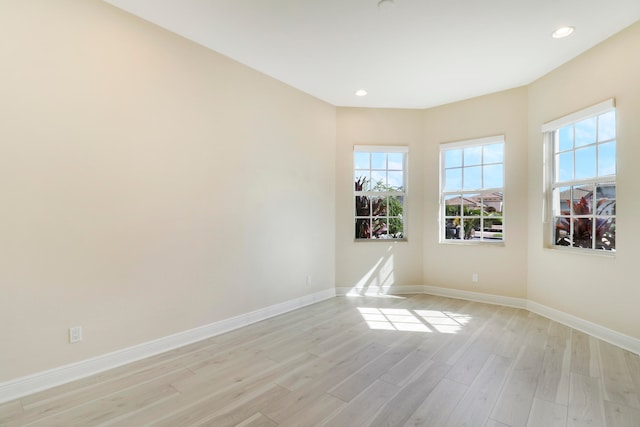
395 319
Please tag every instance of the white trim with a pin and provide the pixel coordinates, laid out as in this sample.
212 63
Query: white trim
472 142
23 386
379 290
382 148
605 334
476 296
585 113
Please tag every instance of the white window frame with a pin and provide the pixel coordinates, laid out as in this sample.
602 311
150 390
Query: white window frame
372 194
551 207
442 223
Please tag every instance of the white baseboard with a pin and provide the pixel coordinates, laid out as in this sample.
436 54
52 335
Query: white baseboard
605 334
380 291
23 386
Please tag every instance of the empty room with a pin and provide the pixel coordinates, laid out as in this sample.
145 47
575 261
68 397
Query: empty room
319 213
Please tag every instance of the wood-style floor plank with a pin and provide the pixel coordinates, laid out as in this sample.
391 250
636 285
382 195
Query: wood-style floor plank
422 360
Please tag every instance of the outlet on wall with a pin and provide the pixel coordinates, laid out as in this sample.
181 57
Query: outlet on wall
308 280
75 334
474 277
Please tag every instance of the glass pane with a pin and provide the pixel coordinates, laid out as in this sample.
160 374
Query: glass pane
472 205
562 201
378 160
607 159
453 179
471 227
582 199
586 132
361 160
452 229
362 180
396 206
452 158
452 205
565 139
473 156
562 231
378 180
378 206
582 233
379 229
395 180
363 206
564 167
396 227
607 126
363 228
606 199
492 203
606 234
493 153
396 161
492 228
472 178
493 176
586 163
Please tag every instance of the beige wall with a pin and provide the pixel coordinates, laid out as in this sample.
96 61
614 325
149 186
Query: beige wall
502 270
603 290
374 264
149 185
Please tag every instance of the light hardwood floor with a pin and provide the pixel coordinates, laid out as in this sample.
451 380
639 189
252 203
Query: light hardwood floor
360 361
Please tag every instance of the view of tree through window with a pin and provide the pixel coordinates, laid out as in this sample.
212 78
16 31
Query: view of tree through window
472 190
380 176
583 185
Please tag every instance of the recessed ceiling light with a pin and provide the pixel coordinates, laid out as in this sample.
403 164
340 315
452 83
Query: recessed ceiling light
361 92
386 4
562 32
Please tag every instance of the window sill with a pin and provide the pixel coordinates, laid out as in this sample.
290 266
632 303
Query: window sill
471 243
578 251
379 240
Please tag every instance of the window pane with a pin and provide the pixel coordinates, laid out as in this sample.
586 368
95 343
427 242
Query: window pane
562 201
378 180
378 206
472 156
493 176
586 132
453 179
379 229
606 234
583 233
565 139
362 180
396 227
363 228
396 161
493 153
492 203
471 227
472 205
361 160
607 159
452 158
492 228
452 229
562 231
396 206
363 206
453 205
472 178
564 169
378 160
394 180
607 126
582 200
606 199
586 163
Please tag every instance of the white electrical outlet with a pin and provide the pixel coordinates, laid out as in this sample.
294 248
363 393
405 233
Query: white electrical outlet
75 334
308 280
474 277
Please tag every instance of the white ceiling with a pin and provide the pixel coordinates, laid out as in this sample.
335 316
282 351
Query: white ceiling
416 54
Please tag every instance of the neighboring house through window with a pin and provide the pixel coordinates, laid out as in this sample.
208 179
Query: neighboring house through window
472 190
380 175
581 178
